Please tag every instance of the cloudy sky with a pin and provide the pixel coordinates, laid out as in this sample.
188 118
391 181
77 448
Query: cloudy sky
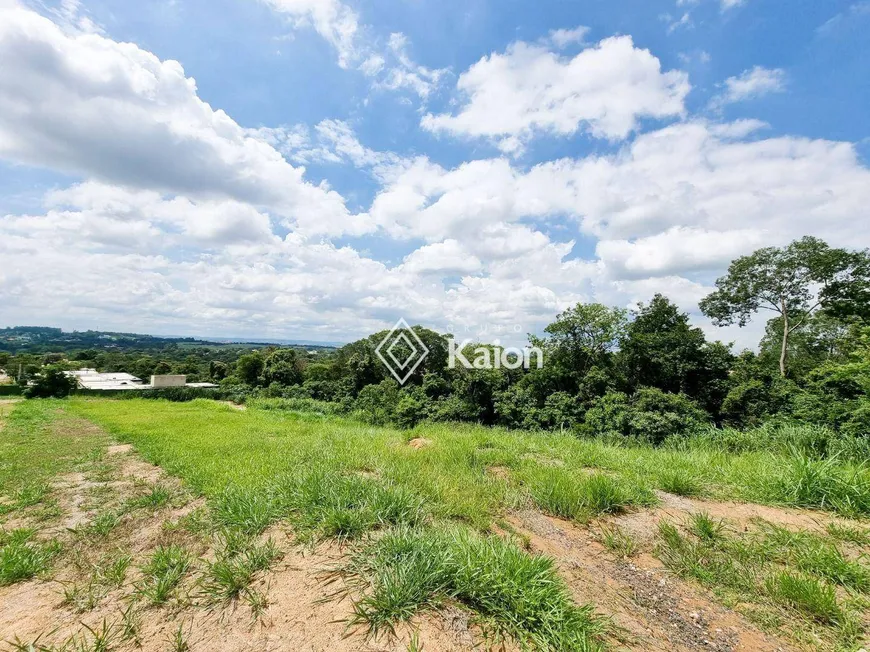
315 169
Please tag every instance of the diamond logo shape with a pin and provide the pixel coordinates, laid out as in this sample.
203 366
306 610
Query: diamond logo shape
401 351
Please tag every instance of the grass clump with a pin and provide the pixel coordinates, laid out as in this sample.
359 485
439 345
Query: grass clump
805 594
823 484
330 505
323 503
815 555
163 572
517 594
788 578
247 511
83 597
680 482
231 575
157 496
26 496
705 527
849 534
21 557
618 541
562 494
102 524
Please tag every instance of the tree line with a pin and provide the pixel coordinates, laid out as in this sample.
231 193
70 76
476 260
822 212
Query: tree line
645 374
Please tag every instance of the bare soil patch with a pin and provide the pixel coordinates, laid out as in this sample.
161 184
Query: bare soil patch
651 609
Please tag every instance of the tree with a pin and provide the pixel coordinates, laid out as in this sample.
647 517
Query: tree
52 382
249 367
662 349
282 367
581 337
217 370
793 281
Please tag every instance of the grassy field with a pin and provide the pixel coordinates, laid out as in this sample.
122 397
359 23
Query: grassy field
437 494
456 469
31 453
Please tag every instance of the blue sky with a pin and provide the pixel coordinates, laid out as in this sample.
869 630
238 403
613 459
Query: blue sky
339 164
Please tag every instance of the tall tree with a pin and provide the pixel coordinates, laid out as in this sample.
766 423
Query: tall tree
793 281
582 336
662 349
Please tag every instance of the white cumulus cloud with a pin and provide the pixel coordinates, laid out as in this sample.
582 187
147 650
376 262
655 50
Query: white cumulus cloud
604 89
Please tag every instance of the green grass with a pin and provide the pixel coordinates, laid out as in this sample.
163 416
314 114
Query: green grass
850 534
37 442
562 493
338 479
215 449
705 527
618 541
22 557
163 573
157 496
231 574
807 595
519 595
791 577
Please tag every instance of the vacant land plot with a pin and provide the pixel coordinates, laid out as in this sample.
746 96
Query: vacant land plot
198 526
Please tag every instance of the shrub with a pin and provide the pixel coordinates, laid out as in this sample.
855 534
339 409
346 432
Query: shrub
517 407
650 415
412 408
376 404
751 402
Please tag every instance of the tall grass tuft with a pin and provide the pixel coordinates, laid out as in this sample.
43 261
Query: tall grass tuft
680 482
21 557
582 497
824 484
164 571
520 594
228 577
805 594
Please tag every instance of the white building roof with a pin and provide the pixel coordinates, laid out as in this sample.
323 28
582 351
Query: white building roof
90 379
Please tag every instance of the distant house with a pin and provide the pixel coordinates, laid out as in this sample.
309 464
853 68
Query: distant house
94 380
91 379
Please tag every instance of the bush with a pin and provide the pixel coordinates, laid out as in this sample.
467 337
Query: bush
650 415
561 410
51 383
376 404
412 408
753 401
517 407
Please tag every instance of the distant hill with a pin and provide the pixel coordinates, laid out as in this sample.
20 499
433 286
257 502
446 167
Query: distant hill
41 339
